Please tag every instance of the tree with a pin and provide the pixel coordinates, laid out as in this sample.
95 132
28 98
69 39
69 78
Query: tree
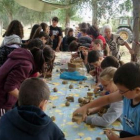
136 30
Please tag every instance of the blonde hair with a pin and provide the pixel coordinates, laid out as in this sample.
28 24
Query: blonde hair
108 73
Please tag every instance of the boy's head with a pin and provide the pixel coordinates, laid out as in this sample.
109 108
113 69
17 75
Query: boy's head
97 45
127 79
43 37
73 46
34 91
111 61
83 31
95 58
55 21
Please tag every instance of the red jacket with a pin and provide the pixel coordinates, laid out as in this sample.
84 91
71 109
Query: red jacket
19 66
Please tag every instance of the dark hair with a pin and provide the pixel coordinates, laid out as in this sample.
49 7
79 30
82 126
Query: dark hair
74 45
84 30
34 43
128 75
94 31
15 27
98 41
69 30
44 34
32 92
37 32
93 56
34 28
55 19
83 25
111 61
46 55
44 26
70 39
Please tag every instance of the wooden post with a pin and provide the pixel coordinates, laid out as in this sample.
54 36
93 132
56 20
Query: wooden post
136 31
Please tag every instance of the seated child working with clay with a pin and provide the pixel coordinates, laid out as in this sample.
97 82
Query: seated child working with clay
29 121
95 58
127 80
115 109
109 61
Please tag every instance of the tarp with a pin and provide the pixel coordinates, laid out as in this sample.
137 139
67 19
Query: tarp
41 5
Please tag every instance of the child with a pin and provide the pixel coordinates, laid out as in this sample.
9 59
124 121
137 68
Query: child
21 64
13 34
109 61
12 40
65 42
115 109
98 45
95 58
28 121
56 34
127 79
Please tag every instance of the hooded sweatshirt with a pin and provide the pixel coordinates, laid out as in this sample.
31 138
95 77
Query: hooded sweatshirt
12 39
28 123
19 66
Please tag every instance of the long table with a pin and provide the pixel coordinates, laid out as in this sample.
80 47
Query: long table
63 114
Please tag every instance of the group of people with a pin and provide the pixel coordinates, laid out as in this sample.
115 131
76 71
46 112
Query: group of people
24 97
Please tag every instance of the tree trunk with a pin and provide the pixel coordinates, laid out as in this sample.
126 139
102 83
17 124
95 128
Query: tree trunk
10 17
1 27
67 23
94 12
136 31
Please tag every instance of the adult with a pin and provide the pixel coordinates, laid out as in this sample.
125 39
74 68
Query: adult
20 65
56 34
115 41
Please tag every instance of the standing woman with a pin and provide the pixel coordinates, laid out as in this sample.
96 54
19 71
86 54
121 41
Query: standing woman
20 65
115 41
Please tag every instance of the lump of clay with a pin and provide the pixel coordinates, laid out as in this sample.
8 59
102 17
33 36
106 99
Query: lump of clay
80 82
55 90
64 82
57 70
90 93
54 106
70 86
67 103
80 100
53 118
98 138
70 98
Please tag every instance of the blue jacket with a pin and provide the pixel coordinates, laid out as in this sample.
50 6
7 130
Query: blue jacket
28 123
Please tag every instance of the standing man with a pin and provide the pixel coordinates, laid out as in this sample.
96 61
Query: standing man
56 34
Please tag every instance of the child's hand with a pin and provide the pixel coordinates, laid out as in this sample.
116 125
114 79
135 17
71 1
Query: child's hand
91 111
92 73
96 89
111 135
81 110
75 55
85 52
102 93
